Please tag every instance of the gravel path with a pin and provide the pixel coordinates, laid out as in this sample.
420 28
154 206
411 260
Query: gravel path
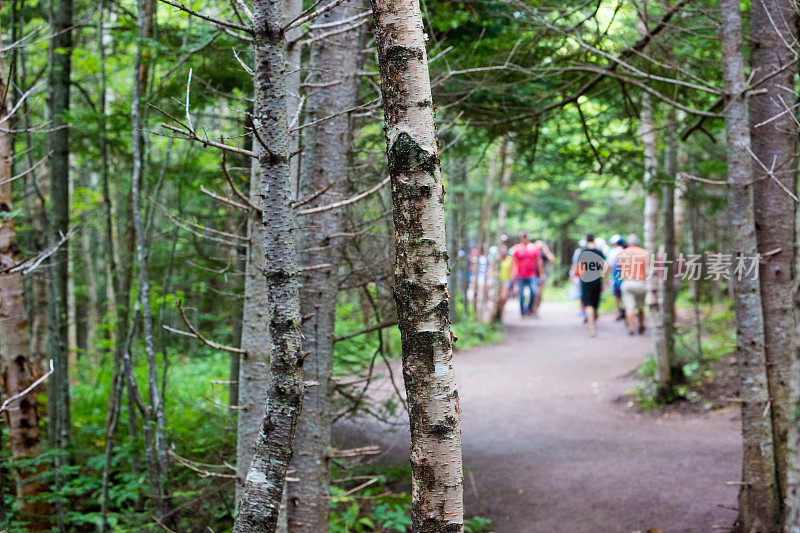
548 447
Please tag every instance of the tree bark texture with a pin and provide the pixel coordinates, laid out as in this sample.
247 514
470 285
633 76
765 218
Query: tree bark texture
18 370
158 462
759 503
666 358
420 267
264 485
255 341
647 133
58 407
506 167
326 146
772 26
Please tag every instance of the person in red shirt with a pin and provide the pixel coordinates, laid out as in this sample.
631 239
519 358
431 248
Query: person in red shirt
529 267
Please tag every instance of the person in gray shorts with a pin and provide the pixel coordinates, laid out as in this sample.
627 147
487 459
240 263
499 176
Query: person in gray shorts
633 272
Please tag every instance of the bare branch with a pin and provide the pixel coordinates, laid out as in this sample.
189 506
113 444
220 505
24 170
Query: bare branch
343 203
218 22
32 386
193 332
374 327
302 19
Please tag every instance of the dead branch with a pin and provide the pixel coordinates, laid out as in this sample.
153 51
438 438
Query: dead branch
224 199
193 332
370 329
236 191
303 18
28 171
194 465
311 197
32 386
33 263
213 20
343 203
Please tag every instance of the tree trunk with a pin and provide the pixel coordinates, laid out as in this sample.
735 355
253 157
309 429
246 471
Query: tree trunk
334 62
58 102
294 100
759 503
420 268
694 282
92 317
457 281
452 243
159 470
478 299
507 163
264 485
506 169
254 363
18 370
667 357
648 135
772 25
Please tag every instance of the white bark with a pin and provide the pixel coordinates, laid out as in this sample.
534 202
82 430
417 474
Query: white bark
420 268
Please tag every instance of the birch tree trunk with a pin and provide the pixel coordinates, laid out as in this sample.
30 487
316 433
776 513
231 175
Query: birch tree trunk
478 300
263 488
420 268
648 135
506 167
18 370
160 469
58 139
759 503
326 146
667 357
772 26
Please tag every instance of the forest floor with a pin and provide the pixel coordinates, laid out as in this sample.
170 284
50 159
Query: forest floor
548 445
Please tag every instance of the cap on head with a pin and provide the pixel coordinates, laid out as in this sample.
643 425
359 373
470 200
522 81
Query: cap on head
503 237
633 240
615 239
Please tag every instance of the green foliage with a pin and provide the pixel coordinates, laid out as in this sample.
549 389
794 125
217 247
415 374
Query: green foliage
471 334
695 369
377 506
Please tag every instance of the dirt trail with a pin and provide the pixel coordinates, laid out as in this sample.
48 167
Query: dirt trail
548 448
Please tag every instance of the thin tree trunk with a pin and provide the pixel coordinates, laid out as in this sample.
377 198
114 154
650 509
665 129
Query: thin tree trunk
507 166
772 26
58 102
159 471
759 502
92 287
648 136
694 281
483 230
334 62
420 268
506 169
294 99
455 226
666 359
255 341
72 314
264 486
18 370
